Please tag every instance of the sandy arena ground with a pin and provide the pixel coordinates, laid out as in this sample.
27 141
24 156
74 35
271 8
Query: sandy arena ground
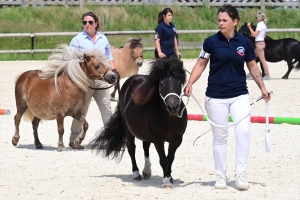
27 173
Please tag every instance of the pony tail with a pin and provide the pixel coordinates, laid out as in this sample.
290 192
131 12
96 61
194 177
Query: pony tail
160 17
111 141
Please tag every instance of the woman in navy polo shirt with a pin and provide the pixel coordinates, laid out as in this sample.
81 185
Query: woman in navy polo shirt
165 36
227 92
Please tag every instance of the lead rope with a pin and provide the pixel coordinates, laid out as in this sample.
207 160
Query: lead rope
267 140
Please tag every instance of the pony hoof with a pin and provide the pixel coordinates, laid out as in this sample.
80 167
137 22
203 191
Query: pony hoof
39 147
146 176
13 142
139 178
74 146
284 77
167 186
60 149
167 182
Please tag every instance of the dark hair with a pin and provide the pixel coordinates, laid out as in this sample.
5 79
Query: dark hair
162 13
231 11
91 14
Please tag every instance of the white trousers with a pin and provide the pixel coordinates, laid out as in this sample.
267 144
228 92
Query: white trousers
102 98
218 111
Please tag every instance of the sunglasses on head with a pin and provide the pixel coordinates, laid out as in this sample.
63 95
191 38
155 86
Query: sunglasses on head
90 22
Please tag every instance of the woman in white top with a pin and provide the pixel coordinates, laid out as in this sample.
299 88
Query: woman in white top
260 34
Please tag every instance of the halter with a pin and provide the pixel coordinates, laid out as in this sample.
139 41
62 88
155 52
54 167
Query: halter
91 75
134 58
179 97
100 77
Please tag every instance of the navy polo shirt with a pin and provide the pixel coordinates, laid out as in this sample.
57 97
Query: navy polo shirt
227 77
166 34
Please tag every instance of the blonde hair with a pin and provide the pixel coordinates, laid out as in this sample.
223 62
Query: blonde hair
262 16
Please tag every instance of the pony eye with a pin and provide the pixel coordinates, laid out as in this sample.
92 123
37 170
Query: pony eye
97 67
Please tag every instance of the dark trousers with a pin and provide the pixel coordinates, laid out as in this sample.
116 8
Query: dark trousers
173 55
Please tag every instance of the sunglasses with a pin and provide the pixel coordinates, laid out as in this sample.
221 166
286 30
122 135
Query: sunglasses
90 22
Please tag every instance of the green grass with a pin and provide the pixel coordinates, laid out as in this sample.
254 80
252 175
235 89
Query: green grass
119 18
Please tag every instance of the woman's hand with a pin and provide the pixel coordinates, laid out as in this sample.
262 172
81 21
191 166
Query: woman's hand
178 54
161 55
188 90
266 95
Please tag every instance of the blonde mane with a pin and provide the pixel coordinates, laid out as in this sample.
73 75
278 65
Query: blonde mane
66 60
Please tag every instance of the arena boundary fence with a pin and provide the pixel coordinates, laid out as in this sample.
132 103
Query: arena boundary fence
208 3
34 35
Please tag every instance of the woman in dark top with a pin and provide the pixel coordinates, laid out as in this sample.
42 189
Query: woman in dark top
165 36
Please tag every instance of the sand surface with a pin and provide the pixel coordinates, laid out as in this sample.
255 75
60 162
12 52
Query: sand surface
27 173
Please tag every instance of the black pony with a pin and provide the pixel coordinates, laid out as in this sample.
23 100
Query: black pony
150 108
287 49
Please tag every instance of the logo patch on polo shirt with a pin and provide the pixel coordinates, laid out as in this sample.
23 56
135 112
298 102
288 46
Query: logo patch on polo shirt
174 29
240 51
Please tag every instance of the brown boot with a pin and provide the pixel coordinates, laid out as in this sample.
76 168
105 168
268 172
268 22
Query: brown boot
78 146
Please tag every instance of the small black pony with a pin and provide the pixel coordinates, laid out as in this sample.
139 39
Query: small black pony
150 108
287 49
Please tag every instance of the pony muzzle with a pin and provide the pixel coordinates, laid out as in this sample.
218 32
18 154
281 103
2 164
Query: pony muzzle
173 106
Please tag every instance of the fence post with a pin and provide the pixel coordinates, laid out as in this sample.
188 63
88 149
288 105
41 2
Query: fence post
32 43
24 3
262 5
81 4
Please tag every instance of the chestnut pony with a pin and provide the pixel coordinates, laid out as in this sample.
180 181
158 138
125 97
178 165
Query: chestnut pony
58 90
128 59
150 108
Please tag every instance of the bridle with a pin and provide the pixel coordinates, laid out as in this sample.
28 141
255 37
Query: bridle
179 97
91 76
134 58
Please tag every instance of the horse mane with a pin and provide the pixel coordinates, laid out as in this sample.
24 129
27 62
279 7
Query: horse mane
167 67
65 60
134 43
158 69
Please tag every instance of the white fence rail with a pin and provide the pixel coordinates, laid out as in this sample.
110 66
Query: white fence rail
33 35
208 3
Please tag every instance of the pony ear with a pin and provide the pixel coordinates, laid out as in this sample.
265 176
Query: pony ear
245 23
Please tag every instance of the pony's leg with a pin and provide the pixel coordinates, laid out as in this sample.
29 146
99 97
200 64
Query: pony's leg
60 129
171 155
167 179
35 125
131 150
116 87
147 166
290 67
21 108
262 69
81 136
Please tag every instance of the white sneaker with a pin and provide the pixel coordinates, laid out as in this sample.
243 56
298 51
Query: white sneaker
221 182
241 182
267 77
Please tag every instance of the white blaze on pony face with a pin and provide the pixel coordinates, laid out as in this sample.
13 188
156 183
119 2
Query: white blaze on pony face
168 18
